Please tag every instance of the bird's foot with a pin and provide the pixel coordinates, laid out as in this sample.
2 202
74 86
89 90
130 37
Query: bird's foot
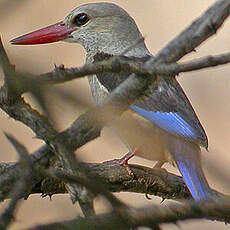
124 161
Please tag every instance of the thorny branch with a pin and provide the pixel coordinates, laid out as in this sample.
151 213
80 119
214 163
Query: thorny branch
89 125
21 186
117 64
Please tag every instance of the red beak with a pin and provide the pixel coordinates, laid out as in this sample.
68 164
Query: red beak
53 33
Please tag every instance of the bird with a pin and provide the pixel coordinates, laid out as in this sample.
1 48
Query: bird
161 126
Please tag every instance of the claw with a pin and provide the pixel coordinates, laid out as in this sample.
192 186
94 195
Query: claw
147 196
124 161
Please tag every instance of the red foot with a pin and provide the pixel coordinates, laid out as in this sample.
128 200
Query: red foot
124 160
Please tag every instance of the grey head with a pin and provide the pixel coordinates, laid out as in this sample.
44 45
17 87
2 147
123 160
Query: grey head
105 27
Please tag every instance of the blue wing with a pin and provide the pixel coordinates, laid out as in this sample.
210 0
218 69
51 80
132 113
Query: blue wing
168 108
171 122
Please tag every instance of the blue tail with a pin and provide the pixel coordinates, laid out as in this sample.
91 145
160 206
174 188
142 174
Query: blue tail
187 157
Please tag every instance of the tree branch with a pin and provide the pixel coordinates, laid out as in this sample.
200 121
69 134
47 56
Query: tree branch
89 125
21 186
116 64
148 216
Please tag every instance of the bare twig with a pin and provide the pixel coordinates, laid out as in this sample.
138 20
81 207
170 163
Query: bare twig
21 186
9 73
117 64
195 34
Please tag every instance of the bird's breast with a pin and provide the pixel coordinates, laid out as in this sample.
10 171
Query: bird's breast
137 132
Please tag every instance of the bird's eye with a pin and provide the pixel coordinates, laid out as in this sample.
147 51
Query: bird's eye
81 19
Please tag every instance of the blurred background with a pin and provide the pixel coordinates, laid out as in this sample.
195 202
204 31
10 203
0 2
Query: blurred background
160 21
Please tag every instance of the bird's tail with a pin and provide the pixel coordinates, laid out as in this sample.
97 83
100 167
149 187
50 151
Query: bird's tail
187 157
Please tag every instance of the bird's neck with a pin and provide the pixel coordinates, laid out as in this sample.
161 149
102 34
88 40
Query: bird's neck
112 47
112 43
134 50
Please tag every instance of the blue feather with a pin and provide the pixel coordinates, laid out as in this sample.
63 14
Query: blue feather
193 178
187 157
171 122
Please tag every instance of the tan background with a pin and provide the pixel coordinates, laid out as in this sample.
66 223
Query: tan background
159 22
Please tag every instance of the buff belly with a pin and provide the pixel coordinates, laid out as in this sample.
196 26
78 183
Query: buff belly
137 132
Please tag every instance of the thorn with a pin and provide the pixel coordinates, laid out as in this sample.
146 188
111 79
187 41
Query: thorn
58 68
147 196
26 196
124 161
43 195
61 67
20 148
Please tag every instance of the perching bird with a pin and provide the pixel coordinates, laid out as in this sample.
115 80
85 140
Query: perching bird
163 124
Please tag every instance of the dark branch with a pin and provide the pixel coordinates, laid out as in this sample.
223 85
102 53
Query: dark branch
195 34
147 216
89 125
117 64
22 185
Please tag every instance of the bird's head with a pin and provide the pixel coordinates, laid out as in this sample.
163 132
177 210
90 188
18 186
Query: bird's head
98 26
